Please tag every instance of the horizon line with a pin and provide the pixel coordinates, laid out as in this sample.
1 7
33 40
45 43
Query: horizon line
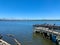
28 19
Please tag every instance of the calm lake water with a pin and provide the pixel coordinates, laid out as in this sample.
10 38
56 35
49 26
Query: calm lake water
23 31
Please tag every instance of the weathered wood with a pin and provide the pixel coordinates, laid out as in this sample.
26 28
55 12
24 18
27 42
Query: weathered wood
2 42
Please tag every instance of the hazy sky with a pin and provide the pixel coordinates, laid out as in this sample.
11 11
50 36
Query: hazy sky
30 9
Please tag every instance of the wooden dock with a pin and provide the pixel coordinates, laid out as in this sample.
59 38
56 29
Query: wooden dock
49 31
47 28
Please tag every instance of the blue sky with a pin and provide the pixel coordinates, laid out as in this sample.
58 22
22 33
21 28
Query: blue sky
30 9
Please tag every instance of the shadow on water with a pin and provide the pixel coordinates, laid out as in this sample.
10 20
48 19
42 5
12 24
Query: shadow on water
39 40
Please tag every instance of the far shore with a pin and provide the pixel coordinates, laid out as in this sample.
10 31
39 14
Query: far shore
28 20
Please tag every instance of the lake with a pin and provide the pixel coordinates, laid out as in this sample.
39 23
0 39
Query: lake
23 32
